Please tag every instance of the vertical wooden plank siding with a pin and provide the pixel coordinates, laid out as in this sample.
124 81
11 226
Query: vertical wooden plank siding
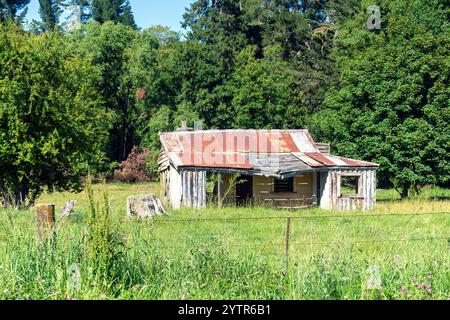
302 195
188 189
202 190
364 200
183 189
325 190
193 185
314 186
194 189
165 187
175 194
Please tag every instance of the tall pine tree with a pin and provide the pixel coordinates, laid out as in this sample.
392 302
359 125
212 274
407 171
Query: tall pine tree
50 11
84 7
113 10
127 17
13 9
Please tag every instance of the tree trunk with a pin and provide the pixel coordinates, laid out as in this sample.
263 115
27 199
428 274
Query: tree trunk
404 192
16 198
5 200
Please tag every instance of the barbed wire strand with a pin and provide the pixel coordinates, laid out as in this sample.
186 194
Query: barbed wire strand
311 217
375 241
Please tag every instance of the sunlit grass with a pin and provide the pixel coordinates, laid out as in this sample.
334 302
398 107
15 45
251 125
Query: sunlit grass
228 258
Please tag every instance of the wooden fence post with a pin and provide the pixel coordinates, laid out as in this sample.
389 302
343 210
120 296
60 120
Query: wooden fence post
219 191
287 235
45 219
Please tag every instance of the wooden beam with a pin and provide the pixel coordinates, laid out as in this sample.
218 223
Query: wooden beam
45 220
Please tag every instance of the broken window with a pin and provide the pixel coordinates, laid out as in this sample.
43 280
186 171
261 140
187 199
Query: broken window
349 186
284 185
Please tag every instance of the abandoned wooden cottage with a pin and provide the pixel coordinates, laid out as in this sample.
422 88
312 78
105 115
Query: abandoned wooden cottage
276 168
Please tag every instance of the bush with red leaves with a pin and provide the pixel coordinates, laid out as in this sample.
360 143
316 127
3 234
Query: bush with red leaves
135 168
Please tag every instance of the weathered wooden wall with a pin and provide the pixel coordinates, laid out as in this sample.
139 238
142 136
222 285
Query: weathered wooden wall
183 188
331 198
303 195
164 186
188 189
193 186
175 191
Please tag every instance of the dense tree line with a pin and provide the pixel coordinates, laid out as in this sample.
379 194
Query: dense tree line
392 101
51 120
85 97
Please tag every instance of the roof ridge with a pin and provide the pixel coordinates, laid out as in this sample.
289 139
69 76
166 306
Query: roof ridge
235 130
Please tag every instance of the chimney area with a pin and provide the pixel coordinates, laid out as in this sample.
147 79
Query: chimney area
184 127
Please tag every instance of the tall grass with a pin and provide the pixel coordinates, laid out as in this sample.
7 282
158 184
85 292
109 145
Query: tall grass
100 254
102 244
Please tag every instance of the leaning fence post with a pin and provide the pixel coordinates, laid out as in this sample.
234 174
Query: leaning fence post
45 219
288 231
219 191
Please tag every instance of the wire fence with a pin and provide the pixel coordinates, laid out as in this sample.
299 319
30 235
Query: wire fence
291 242
292 237
286 239
288 244
305 217
287 235
325 243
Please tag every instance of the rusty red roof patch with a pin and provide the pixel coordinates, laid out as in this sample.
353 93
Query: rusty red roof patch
321 158
215 160
246 141
231 148
357 163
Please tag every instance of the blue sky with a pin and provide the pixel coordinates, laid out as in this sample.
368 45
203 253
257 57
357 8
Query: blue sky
146 12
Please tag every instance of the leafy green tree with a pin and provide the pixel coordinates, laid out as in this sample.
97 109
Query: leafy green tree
216 22
150 93
218 31
161 121
303 31
13 9
262 91
113 10
162 69
221 26
339 11
189 82
392 103
286 24
51 121
109 46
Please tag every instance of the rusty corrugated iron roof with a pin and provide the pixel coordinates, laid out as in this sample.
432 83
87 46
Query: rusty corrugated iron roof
246 141
271 151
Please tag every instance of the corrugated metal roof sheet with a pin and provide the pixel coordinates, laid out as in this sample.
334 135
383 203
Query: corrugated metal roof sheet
357 163
309 161
256 141
217 160
276 164
321 158
264 151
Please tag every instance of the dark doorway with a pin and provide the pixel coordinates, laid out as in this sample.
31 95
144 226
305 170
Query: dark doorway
244 190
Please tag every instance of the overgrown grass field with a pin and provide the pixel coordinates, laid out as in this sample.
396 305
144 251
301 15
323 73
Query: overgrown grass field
230 253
